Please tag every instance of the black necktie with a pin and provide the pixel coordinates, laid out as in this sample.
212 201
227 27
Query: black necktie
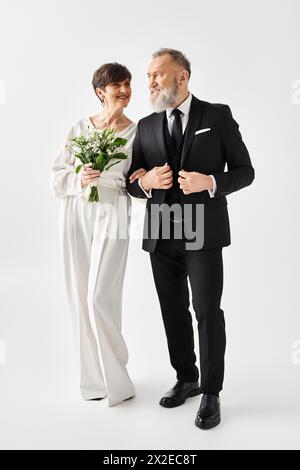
177 128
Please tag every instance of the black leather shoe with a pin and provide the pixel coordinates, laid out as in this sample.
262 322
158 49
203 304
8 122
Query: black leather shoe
179 393
208 415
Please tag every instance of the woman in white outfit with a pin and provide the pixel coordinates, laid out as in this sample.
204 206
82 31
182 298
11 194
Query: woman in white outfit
94 261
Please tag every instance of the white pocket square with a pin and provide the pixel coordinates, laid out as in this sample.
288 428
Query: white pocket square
200 131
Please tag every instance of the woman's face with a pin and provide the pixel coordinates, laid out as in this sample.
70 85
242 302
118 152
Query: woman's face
116 94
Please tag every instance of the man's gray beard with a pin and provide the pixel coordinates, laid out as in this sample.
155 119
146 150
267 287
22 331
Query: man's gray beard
166 99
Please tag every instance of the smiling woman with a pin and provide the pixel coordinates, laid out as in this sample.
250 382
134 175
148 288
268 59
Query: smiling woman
94 258
112 85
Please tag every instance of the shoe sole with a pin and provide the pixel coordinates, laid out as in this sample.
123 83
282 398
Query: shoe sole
129 398
95 399
193 393
208 426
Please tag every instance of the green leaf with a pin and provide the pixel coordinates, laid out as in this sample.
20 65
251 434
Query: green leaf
78 168
99 160
121 155
119 142
112 164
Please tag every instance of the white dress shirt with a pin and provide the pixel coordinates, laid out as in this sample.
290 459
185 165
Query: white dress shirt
185 111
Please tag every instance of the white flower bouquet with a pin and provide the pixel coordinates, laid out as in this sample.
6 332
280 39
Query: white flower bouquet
101 148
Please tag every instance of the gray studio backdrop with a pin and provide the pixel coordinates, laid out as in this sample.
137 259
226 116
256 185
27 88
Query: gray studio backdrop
243 53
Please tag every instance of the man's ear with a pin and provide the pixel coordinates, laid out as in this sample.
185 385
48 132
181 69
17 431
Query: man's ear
183 76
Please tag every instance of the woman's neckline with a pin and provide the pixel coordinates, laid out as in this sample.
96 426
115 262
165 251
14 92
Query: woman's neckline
117 132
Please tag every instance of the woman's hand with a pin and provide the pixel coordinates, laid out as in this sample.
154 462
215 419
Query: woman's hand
88 174
137 174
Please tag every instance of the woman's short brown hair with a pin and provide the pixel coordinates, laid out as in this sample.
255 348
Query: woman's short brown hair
110 73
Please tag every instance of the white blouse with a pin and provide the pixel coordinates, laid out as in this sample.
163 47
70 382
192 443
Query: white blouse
64 182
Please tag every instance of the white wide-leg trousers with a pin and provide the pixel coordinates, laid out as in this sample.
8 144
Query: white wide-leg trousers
94 267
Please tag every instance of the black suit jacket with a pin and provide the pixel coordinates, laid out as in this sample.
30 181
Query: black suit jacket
206 153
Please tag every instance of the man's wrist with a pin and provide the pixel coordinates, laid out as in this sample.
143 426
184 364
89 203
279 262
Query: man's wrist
145 187
210 183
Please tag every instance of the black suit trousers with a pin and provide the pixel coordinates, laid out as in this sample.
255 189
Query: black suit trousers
172 267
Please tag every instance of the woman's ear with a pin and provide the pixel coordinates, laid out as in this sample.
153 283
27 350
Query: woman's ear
99 94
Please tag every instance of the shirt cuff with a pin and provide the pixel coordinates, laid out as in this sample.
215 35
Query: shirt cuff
80 191
213 190
148 193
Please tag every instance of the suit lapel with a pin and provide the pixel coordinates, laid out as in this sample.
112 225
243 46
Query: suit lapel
160 129
195 116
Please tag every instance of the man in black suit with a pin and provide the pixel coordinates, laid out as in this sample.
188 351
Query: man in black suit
184 147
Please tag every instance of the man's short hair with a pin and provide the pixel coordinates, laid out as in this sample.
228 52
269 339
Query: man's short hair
177 57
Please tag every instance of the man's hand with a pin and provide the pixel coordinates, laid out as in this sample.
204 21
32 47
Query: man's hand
137 174
160 177
193 182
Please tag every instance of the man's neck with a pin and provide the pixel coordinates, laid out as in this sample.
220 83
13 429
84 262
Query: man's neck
181 99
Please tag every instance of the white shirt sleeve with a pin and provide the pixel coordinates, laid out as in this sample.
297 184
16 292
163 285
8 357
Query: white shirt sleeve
148 193
64 181
213 191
